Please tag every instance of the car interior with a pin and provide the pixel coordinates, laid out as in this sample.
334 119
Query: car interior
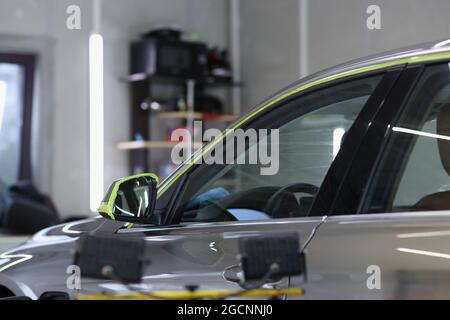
413 174
439 200
236 193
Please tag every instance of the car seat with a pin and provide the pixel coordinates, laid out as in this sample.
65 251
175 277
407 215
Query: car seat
439 200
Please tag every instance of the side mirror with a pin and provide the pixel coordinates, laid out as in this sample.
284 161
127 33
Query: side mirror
131 199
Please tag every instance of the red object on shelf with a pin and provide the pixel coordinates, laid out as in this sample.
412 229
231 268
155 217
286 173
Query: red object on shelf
210 116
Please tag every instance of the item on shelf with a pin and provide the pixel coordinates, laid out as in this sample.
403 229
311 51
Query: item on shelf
170 76
138 137
204 104
218 64
156 106
181 104
153 105
157 56
165 105
165 32
190 36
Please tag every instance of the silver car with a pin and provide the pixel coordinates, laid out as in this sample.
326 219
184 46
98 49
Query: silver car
363 178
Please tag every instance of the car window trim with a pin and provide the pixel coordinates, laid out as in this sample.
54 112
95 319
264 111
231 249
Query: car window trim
341 166
353 189
173 217
364 201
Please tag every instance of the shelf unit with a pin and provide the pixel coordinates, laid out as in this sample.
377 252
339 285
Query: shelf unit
205 116
140 149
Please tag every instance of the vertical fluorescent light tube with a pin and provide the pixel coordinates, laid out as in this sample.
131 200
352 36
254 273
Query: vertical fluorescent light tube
338 133
96 155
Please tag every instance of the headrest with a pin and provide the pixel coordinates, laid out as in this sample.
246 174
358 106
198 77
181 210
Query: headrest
443 128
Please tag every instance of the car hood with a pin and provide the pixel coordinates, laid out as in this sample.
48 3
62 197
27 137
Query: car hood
42 263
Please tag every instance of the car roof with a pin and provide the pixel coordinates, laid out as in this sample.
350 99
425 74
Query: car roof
371 60
391 55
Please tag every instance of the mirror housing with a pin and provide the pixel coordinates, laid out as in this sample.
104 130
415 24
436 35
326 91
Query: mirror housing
130 199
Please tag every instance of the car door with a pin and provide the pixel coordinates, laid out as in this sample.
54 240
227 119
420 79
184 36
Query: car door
214 205
389 231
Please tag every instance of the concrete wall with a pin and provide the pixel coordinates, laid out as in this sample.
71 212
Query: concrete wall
269 44
336 32
62 132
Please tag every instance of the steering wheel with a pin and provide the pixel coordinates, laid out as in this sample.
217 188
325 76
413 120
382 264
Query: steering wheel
273 204
222 209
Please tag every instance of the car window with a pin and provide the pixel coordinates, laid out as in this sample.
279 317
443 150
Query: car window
413 174
311 130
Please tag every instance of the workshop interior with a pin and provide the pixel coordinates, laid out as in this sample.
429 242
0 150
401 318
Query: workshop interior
122 175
